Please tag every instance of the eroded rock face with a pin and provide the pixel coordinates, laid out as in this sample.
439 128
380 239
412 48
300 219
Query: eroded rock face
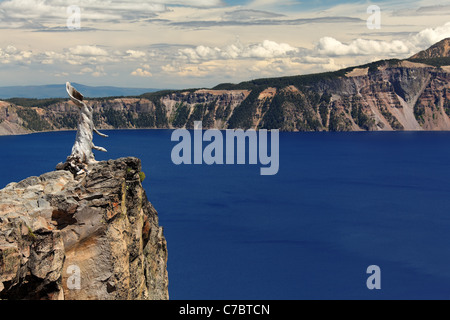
91 237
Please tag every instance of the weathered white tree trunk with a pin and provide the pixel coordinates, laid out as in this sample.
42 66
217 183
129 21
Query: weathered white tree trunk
82 154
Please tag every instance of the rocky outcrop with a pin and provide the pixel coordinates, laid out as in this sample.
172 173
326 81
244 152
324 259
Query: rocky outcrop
391 96
10 122
438 50
95 236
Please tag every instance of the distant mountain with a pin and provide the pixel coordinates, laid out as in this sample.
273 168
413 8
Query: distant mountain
438 50
411 94
59 91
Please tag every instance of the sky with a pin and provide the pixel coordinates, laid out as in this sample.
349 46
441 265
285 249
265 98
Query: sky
176 44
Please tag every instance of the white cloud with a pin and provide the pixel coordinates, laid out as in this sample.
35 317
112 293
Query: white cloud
13 55
77 56
123 36
144 71
313 60
88 51
52 56
269 49
270 3
53 12
61 74
332 47
245 15
270 58
194 3
430 36
99 72
86 70
265 50
139 72
135 54
329 46
199 70
30 9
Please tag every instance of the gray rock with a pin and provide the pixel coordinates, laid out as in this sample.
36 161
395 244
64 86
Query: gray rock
55 175
100 224
30 181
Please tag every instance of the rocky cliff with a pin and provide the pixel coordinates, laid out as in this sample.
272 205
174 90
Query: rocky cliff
411 94
91 237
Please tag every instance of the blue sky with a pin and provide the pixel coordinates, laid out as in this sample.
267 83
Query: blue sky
200 43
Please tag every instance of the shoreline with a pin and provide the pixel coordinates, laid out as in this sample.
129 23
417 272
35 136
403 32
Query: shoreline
70 130
131 129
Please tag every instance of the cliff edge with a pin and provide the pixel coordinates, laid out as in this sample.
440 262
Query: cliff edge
95 236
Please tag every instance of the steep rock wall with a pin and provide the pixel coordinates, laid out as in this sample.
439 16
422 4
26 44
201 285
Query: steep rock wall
99 226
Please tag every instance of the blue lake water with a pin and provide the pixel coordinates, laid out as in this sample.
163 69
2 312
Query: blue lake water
340 202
